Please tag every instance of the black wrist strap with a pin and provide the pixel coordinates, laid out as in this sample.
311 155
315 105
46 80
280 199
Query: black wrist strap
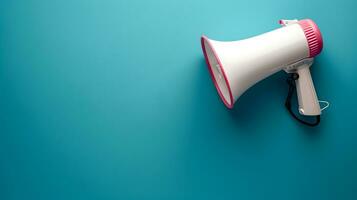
291 82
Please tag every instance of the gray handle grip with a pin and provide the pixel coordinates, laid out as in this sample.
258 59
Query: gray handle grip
307 98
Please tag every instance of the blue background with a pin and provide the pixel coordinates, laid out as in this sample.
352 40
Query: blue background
108 99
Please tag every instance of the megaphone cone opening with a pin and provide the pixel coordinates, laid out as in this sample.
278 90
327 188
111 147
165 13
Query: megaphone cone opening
216 70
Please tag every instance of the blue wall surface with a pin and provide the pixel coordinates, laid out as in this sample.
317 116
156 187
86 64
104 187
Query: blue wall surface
111 99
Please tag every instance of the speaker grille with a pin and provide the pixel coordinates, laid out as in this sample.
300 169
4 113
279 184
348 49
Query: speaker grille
313 36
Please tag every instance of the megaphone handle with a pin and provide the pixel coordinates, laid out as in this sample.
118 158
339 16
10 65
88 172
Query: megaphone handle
307 98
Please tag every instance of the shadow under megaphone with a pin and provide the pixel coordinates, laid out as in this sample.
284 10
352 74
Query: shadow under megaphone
259 103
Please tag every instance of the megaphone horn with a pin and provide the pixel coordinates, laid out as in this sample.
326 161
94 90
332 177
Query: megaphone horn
235 66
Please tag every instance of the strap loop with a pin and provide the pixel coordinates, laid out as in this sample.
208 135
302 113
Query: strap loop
327 104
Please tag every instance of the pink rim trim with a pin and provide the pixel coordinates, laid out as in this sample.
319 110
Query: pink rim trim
313 36
229 105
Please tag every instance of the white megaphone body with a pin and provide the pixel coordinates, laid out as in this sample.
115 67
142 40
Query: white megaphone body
237 65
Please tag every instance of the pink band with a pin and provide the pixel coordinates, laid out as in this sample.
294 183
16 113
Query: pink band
313 36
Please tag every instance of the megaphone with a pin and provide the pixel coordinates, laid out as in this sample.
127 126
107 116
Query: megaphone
235 66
